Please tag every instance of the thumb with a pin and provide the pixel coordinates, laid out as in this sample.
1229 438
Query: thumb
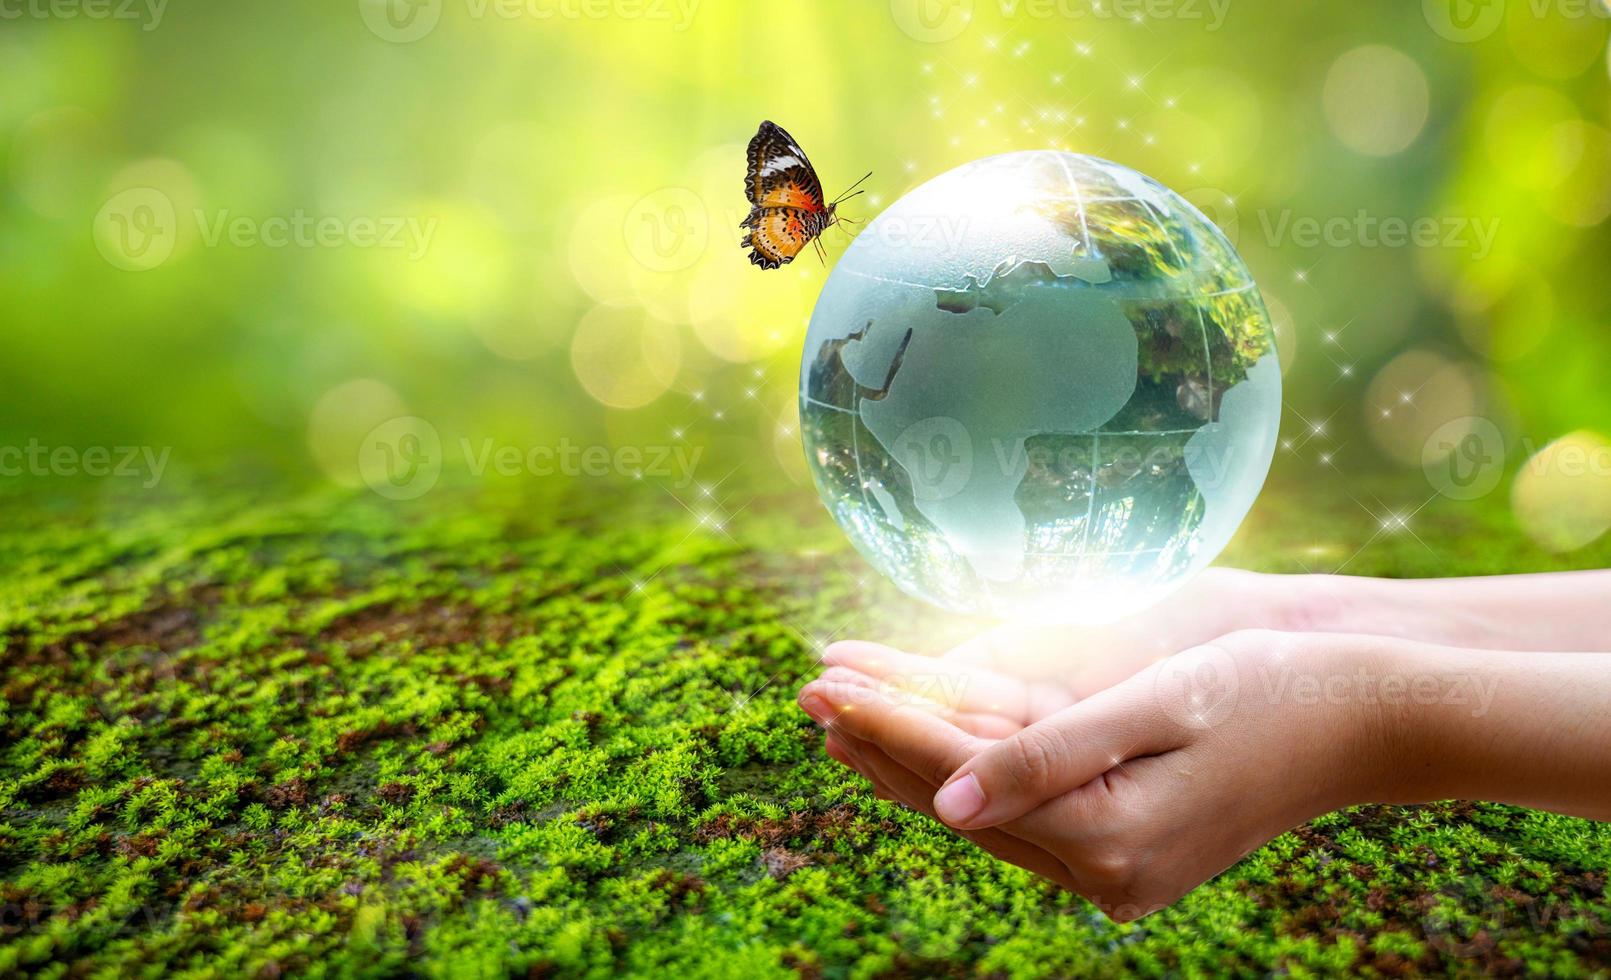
1056 755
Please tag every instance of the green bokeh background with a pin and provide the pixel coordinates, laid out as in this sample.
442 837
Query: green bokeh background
546 144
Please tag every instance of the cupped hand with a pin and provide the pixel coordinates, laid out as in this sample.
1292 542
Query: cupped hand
1133 794
1002 680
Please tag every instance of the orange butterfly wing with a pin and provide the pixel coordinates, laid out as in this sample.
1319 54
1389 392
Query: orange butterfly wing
777 235
787 208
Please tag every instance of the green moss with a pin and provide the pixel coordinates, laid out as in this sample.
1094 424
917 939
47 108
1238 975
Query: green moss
491 736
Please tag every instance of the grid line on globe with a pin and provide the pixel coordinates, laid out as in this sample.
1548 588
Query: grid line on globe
1040 385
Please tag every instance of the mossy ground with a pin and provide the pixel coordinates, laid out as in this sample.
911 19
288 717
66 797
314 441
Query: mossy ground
486 735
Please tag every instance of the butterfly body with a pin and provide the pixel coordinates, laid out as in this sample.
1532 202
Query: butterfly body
787 209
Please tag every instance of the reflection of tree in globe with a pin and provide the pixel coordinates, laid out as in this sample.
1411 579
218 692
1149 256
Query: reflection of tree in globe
1040 384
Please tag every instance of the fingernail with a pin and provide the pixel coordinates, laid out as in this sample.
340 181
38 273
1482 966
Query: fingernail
960 801
816 708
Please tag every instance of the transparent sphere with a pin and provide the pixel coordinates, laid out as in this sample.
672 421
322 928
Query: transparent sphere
1040 386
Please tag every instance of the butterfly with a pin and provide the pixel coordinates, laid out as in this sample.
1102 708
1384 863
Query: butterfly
786 204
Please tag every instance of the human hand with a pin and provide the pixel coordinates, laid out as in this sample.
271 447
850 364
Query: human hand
1013 676
1131 781
1139 792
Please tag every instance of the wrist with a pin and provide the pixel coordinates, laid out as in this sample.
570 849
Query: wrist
1372 741
1234 600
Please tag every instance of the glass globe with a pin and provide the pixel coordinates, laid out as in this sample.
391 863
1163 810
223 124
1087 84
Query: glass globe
1040 386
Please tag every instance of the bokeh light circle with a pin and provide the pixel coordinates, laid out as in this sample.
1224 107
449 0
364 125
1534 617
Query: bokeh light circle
1412 398
1562 495
667 230
342 418
1518 136
623 357
1376 100
1583 198
598 252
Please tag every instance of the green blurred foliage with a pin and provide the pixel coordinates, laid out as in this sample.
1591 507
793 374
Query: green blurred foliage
548 160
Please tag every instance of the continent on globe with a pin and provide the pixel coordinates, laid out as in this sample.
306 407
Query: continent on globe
1043 378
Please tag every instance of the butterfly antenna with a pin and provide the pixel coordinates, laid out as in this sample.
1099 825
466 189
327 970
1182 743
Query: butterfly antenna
847 195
